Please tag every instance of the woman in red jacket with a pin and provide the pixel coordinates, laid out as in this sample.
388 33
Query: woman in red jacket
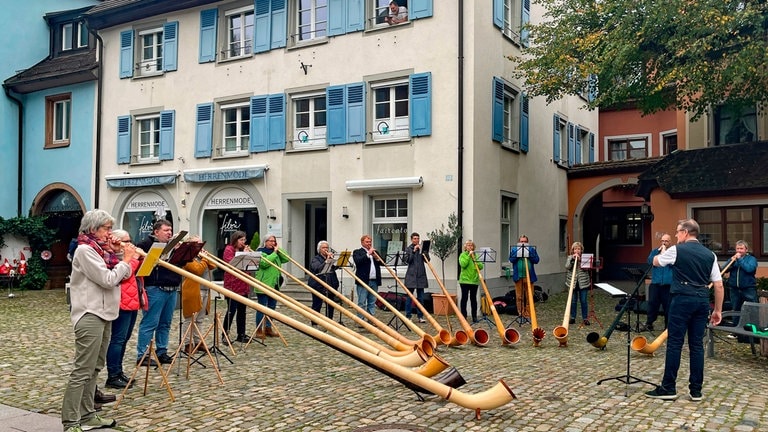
235 309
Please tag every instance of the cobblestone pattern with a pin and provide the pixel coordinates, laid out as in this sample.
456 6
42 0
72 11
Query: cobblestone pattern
307 386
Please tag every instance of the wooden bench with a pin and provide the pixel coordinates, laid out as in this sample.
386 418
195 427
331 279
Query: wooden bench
751 313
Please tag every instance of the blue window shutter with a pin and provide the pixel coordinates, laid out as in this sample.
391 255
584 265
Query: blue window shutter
420 98
571 143
355 15
259 125
167 132
526 17
279 24
591 147
419 9
355 109
123 139
209 20
276 115
578 143
497 111
524 123
336 131
556 139
498 12
170 46
337 17
262 28
126 54
204 130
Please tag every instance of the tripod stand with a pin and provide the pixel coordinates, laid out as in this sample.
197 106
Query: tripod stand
395 322
485 255
216 326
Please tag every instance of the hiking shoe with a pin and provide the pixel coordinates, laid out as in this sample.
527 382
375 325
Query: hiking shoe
165 358
148 362
695 396
646 327
660 393
117 382
97 422
74 429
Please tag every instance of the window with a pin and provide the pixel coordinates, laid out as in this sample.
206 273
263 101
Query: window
560 141
149 138
390 111
66 36
386 13
309 121
151 49
563 230
236 131
390 223
311 20
58 120
735 124
82 35
722 227
627 148
508 222
511 16
668 143
622 226
506 121
239 33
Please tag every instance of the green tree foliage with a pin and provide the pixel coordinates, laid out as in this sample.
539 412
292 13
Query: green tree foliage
255 241
444 240
40 238
688 54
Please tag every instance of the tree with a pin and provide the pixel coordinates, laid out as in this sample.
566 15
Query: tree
444 240
684 54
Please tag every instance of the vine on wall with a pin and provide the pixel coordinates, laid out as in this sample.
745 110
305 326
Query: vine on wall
40 238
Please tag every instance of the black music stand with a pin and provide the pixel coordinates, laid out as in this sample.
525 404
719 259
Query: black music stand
485 255
523 251
638 276
395 322
342 261
214 349
627 378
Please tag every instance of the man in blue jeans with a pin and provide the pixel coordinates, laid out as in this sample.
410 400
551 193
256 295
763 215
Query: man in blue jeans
693 268
368 270
161 286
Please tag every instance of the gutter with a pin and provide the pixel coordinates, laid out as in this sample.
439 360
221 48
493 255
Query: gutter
20 176
99 107
460 137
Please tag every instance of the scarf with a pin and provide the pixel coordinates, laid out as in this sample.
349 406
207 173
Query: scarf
110 259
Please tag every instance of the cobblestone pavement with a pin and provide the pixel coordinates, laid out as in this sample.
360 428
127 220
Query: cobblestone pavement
307 386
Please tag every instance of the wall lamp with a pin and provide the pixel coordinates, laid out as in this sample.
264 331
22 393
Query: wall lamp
345 212
272 214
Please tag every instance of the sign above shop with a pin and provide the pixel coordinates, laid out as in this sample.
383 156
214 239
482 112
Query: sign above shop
230 198
146 201
225 174
62 201
141 180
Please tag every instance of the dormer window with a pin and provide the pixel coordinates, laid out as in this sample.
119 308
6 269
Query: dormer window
74 35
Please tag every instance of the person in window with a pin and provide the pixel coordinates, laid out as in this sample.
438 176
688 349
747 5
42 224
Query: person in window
235 309
368 270
99 264
397 14
741 277
469 278
415 275
271 255
582 284
321 262
523 257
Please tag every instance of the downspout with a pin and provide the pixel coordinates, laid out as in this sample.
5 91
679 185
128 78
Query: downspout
460 137
20 175
99 88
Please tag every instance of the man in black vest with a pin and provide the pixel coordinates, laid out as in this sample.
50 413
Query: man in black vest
693 268
368 270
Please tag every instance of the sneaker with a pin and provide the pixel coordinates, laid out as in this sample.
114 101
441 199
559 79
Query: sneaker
645 327
695 396
731 336
149 362
586 322
117 382
422 320
97 422
165 358
572 321
74 429
660 393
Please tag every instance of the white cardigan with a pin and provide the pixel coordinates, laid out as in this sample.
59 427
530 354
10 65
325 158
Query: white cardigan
93 287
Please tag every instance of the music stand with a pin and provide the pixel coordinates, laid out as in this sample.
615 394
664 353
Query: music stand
485 255
523 250
593 264
342 261
215 326
627 378
395 322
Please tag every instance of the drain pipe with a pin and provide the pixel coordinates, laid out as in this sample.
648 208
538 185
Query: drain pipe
460 137
20 174
99 104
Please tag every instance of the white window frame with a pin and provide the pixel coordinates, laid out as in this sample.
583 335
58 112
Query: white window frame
511 120
513 17
82 31
508 226
243 140
663 136
153 144
312 136
152 64
563 142
243 47
62 123
317 26
627 138
583 138
399 220
66 36
393 127
717 117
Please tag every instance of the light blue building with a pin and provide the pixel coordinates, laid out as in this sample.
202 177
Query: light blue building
48 119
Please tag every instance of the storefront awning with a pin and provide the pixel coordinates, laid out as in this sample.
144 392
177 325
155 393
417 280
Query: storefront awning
225 174
141 180
385 183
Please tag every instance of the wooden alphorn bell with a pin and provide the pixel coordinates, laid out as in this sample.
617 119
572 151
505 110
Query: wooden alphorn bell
537 332
509 336
561 332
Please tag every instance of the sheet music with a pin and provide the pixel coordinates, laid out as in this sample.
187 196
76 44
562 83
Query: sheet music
610 289
246 260
524 250
586 260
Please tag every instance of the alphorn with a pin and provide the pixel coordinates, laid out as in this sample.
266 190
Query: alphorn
412 357
561 332
443 336
537 332
479 337
373 322
640 343
509 336
495 397
598 341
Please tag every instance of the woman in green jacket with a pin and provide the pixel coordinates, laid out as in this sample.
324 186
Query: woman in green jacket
272 277
469 278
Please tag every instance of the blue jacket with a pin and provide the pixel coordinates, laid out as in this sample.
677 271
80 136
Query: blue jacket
659 275
742 272
533 259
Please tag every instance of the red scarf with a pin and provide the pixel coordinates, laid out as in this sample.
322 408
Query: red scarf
109 257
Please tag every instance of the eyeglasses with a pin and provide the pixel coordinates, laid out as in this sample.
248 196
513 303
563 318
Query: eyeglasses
107 227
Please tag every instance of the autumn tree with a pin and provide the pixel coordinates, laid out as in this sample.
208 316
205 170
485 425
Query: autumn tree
686 54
